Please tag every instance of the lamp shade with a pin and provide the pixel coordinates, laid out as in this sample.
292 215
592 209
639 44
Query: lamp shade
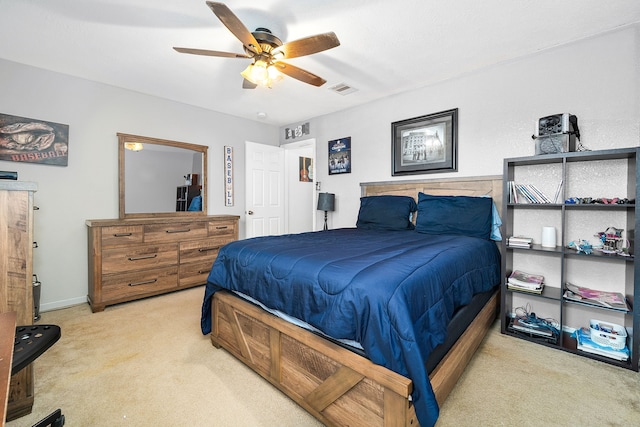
326 201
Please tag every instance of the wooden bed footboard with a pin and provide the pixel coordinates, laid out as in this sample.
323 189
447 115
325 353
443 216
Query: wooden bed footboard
335 385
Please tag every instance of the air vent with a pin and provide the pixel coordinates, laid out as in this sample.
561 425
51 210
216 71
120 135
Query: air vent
343 89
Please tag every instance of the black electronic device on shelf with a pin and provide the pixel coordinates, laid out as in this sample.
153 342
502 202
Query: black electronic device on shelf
556 133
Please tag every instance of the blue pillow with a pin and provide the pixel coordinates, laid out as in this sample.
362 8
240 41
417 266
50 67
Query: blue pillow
386 213
461 215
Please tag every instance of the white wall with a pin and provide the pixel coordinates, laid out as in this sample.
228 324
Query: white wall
597 79
88 187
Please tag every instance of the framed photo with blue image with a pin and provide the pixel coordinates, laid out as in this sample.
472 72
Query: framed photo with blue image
425 144
340 156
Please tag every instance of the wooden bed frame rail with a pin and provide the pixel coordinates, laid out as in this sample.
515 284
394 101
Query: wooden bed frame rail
335 385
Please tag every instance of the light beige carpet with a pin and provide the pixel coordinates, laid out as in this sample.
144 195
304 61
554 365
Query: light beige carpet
145 363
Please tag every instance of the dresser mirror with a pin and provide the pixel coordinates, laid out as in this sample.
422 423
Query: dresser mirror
158 177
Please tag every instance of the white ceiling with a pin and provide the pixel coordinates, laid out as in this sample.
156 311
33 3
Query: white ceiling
386 47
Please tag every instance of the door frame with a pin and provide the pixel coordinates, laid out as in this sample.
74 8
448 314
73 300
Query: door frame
289 169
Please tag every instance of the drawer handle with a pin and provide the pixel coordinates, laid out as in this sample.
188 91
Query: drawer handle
131 258
146 282
122 234
208 249
222 227
203 271
184 230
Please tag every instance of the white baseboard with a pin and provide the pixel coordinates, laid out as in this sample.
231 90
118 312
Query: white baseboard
56 305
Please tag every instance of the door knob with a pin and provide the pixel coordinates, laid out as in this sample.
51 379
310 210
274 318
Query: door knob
250 212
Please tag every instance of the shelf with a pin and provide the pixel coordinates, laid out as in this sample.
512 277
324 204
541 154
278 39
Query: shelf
570 344
598 307
600 270
599 256
548 292
538 248
535 205
599 206
578 156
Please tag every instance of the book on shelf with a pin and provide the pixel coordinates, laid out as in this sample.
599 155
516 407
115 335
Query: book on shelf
520 241
613 300
539 195
519 245
523 325
586 344
556 199
538 290
528 193
525 280
513 193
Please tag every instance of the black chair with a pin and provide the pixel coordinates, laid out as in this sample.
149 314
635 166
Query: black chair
30 343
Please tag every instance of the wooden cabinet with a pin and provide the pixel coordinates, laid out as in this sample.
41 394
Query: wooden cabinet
136 258
16 272
588 183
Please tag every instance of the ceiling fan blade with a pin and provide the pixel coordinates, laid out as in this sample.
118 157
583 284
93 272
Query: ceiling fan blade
308 45
246 84
231 21
299 74
210 53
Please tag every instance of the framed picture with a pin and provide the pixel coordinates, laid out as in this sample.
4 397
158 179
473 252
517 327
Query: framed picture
34 141
425 144
305 165
340 156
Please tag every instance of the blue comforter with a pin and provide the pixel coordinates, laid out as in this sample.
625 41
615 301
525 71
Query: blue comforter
394 292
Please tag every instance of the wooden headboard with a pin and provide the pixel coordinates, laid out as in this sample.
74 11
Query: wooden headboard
490 185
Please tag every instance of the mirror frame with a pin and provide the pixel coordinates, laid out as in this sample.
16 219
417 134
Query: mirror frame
127 138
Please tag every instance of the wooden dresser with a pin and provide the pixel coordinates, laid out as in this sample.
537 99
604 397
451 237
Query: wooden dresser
16 277
135 258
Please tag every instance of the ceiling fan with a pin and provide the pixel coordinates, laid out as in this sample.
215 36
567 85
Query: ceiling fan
267 51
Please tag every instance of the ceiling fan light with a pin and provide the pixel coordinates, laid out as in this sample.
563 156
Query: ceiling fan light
247 74
261 73
273 73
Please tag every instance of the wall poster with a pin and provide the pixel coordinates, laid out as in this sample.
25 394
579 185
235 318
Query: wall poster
340 156
34 141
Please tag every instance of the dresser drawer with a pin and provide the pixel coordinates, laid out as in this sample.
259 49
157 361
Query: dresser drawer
201 250
139 257
222 228
126 285
174 232
195 273
121 235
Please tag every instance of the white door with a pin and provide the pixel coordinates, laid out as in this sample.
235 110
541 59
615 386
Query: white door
264 205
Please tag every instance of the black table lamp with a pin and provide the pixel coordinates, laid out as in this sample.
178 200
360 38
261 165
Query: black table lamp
326 202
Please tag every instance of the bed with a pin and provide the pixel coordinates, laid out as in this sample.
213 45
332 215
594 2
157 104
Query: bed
369 286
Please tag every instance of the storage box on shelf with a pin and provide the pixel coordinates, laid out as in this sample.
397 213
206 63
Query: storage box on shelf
580 178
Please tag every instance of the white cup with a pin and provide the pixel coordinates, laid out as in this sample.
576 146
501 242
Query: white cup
548 237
